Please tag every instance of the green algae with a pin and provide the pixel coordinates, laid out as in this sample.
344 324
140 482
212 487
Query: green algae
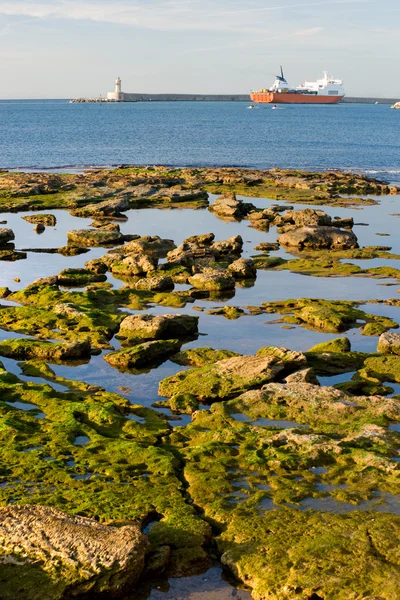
329 315
199 357
21 349
337 345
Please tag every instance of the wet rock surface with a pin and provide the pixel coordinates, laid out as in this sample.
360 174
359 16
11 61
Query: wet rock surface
66 554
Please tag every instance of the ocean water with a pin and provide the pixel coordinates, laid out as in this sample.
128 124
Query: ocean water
49 134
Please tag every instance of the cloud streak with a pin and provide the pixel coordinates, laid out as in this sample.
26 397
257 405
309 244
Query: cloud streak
152 14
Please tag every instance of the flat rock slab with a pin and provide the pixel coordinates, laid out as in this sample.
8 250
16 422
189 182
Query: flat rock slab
68 554
94 237
319 237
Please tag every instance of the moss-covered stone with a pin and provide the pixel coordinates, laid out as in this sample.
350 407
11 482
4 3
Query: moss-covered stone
142 354
336 346
199 357
22 349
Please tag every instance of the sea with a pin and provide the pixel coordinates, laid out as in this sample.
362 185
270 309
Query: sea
50 134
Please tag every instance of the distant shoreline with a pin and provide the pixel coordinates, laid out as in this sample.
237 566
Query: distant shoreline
199 98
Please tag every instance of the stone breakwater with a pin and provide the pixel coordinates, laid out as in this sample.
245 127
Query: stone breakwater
244 456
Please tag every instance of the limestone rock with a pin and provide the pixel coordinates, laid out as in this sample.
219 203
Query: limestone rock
154 284
94 237
231 246
42 218
151 245
389 343
45 553
212 281
243 268
149 327
303 376
26 349
319 237
229 207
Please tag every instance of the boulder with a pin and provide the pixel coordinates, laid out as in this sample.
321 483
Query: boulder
227 206
319 237
224 379
305 218
243 268
337 345
267 247
389 343
191 254
45 553
303 376
160 327
203 240
94 237
6 235
212 281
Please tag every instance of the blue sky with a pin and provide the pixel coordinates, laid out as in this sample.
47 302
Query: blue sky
65 48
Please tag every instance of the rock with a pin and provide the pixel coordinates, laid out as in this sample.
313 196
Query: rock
27 349
229 312
39 228
243 268
106 226
389 343
344 222
6 236
154 284
224 379
202 241
135 264
292 359
267 247
212 281
161 327
94 237
231 246
337 345
45 553
96 265
109 208
229 207
305 218
303 376
142 354
151 245
319 237
192 253
44 282
79 277
42 218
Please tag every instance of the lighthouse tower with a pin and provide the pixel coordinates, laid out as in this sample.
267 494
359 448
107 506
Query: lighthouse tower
117 95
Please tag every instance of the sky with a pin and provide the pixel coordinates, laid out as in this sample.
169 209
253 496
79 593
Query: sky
71 48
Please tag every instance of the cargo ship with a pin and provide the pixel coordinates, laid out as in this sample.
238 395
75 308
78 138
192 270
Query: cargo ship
323 91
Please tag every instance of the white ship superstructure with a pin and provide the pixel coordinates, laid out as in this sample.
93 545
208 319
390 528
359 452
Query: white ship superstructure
327 86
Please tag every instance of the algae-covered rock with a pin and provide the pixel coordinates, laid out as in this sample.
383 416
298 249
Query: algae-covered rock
79 277
389 343
212 281
134 264
42 219
183 404
45 553
199 357
319 559
142 354
94 237
337 345
149 327
108 208
229 312
333 363
223 379
26 349
303 376
382 368
154 284
151 245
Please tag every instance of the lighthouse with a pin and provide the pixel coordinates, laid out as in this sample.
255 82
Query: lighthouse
117 95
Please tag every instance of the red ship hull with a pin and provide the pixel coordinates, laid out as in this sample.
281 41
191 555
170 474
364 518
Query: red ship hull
290 98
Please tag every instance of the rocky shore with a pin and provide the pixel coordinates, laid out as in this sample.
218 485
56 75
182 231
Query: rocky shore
251 459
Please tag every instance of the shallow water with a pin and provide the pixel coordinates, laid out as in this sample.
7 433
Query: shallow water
244 335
